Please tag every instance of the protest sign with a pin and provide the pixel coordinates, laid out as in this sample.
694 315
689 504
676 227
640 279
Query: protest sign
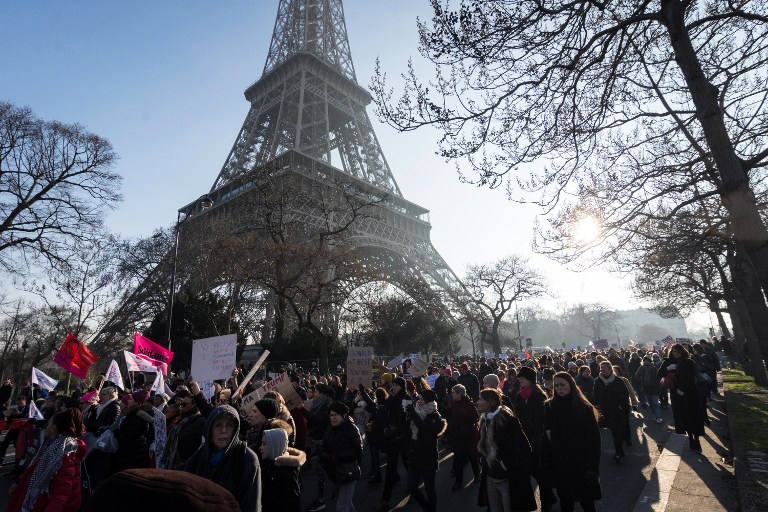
419 366
431 380
282 385
396 361
359 369
214 358
158 445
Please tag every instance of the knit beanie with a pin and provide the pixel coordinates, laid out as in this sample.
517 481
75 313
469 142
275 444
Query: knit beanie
428 396
399 381
387 378
526 372
339 408
491 381
276 440
267 407
140 396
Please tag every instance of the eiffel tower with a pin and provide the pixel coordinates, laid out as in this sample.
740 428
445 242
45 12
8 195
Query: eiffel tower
308 116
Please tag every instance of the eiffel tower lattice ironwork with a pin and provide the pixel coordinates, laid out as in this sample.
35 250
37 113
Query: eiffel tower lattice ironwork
308 116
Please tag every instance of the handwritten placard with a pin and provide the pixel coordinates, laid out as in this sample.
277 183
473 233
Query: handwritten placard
359 366
419 366
214 358
282 384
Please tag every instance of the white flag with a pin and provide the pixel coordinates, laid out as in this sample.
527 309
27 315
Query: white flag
159 385
45 382
34 412
137 364
113 375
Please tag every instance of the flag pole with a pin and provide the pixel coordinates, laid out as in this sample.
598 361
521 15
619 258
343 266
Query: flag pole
69 376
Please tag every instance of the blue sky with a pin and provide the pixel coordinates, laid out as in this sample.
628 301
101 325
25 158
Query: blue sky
164 82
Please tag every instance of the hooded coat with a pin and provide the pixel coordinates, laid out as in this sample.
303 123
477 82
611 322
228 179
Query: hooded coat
282 486
238 469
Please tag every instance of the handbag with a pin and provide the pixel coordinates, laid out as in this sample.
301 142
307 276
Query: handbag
669 380
107 442
347 472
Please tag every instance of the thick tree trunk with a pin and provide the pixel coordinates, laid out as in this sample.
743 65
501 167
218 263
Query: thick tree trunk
735 192
753 313
721 322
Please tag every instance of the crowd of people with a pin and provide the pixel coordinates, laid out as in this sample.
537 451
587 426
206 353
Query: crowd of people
511 420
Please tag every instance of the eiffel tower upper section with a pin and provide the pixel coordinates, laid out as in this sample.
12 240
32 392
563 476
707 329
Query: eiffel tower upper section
308 100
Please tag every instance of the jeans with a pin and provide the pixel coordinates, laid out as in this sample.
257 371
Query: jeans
344 499
653 399
427 475
498 494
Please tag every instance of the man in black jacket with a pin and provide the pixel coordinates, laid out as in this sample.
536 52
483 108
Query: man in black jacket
469 381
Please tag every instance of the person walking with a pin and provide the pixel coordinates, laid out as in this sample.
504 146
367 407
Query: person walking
505 482
340 455
397 438
464 434
611 397
647 378
679 373
529 407
281 485
425 426
572 445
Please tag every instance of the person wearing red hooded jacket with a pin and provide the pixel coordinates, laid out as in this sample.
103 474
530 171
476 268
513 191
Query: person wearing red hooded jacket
52 482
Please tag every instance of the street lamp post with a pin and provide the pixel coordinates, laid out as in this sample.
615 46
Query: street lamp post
204 202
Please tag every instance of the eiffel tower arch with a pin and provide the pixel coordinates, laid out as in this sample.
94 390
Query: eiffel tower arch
307 122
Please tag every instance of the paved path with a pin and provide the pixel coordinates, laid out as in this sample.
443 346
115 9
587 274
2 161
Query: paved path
693 482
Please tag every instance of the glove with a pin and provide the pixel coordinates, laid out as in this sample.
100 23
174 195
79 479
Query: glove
680 392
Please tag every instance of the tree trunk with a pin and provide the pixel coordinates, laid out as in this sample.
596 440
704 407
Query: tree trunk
735 192
753 313
721 322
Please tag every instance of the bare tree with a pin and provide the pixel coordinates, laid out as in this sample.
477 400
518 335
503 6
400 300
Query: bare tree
55 183
493 289
622 104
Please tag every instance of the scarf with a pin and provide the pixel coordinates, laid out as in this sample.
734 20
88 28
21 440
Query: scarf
48 462
487 447
318 402
422 411
101 407
607 380
171 454
526 392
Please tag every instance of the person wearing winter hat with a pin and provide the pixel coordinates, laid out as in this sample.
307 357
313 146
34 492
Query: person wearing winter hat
425 425
135 432
396 438
226 460
548 375
280 472
340 455
261 412
184 438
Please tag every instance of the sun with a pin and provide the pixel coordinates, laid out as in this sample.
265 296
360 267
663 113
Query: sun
587 230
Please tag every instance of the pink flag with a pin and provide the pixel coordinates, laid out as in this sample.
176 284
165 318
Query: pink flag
151 350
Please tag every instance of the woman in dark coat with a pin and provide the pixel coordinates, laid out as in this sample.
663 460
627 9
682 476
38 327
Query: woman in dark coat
685 399
187 433
342 447
529 407
280 481
505 484
134 433
396 438
572 445
611 397
425 425
464 434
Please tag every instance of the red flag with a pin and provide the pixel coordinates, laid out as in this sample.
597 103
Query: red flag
151 350
527 354
75 357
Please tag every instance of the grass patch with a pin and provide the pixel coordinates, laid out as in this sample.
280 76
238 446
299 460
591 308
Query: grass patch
748 410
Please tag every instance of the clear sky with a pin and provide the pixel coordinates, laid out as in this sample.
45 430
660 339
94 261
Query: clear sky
164 82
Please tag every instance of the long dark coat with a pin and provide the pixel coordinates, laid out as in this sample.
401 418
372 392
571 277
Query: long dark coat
463 431
340 444
423 451
531 415
514 450
612 400
572 448
281 485
686 409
